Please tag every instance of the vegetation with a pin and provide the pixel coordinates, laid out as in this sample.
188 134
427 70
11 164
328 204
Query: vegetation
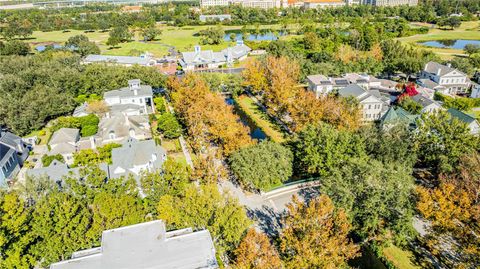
48 159
460 103
88 125
96 156
262 166
170 127
255 251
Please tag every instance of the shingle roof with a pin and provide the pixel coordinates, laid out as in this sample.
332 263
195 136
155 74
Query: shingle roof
146 246
461 116
398 115
10 140
428 83
423 100
208 56
318 79
352 90
64 135
5 154
434 67
94 58
135 153
55 171
142 90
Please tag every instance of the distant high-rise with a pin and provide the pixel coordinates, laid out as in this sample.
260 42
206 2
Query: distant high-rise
213 3
390 3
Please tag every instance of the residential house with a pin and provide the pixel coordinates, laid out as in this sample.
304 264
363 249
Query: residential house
207 59
443 78
136 95
471 122
220 17
320 84
144 246
56 171
13 152
475 91
64 142
372 103
428 105
144 60
119 127
135 157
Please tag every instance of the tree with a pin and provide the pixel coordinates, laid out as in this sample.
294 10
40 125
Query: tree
203 207
316 235
14 47
48 159
82 45
256 252
409 105
150 33
441 140
98 107
170 127
212 35
118 35
319 149
311 41
471 49
376 196
254 76
262 166
15 232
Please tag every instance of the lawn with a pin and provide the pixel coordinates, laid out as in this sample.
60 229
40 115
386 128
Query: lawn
261 119
468 30
182 38
402 259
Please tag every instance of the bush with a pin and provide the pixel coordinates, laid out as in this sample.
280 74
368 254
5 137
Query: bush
48 159
262 166
460 103
160 104
168 124
88 125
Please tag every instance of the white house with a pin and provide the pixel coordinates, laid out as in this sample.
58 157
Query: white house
64 142
208 59
443 78
136 97
144 60
475 91
372 104
428 105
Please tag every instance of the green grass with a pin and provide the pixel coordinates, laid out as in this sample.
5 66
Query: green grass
468 30
402 259
261 119
182 38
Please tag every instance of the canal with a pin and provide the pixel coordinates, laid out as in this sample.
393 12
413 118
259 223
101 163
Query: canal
255 131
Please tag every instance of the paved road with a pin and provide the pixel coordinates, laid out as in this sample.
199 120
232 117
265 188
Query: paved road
267 209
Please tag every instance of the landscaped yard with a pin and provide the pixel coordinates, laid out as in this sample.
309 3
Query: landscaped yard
261 119
468 30
402 259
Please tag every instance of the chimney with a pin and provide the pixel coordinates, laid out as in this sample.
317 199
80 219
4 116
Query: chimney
92 142
439 71
449 65
107 115
197 49
134 85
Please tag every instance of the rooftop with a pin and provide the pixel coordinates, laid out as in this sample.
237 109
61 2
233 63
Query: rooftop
146 245
435 68
461 116
65 135
95 58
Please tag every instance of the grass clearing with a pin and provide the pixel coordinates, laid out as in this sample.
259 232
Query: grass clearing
402 259
468 30
260 118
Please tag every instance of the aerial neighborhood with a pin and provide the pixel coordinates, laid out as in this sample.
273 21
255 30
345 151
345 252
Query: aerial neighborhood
211 134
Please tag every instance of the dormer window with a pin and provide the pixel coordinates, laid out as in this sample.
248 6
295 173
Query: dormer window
112 135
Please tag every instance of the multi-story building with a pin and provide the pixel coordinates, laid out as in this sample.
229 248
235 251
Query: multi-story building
443 78
390 3
323 3
371 102
214 3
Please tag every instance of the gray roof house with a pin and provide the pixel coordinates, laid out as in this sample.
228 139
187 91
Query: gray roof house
372 104
120 60
138 98
136 156
118 127
64 142
428 105
207 59
146 246
57 171
13 152
471 122
448 79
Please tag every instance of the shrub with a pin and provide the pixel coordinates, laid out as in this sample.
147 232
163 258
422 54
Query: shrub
168 124
48 159
159 104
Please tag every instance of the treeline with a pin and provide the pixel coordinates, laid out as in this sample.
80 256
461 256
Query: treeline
35 89
43 223
21 23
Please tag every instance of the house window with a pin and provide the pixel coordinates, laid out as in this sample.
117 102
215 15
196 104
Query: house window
369 106
133 100
141 101
112 135
4 171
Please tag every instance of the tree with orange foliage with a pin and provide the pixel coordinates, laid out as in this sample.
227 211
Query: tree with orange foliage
254 76
316 235
454 211
256 252
206 115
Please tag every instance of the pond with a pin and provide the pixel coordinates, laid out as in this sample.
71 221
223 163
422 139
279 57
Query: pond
268 36
450 44
255 132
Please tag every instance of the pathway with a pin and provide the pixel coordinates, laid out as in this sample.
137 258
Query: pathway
183 143
264 109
